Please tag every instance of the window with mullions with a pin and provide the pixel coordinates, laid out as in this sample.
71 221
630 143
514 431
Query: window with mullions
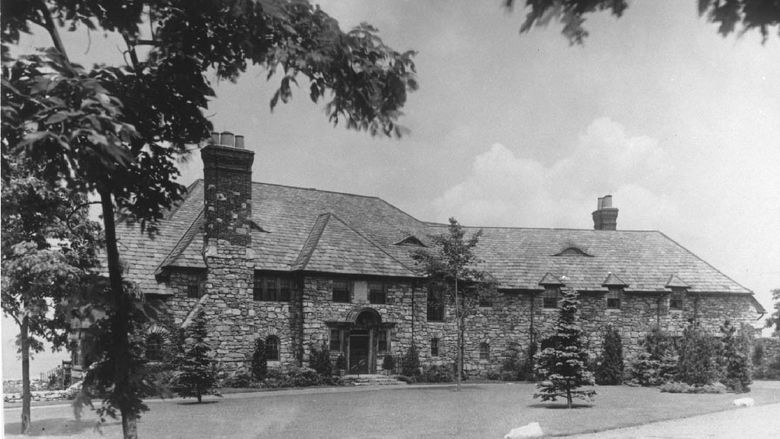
434 347
435 305
377 292
485 300
272 348
272 288
484 351
614 297
193 282
342 290
550 297
676 301
382 343
335 340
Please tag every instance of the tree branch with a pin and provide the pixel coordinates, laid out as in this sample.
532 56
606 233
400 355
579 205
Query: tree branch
52 29
76 209
131 50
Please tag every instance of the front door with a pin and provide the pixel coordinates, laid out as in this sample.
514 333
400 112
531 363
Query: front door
359 350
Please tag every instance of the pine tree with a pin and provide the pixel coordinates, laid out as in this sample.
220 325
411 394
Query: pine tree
563 363
610 365
697 362
734 359
197 374
410 363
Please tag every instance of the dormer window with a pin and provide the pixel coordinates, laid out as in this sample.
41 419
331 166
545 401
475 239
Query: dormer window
572 251
411 241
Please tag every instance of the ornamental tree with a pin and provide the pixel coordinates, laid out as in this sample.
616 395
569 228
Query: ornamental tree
562 364
115 132
451 266
609 368
49 249
197 374
734 358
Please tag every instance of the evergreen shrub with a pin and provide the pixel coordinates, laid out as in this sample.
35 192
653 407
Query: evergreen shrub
341 362
410 364
437 374
734 359
388 363
609 366
697 363
320 361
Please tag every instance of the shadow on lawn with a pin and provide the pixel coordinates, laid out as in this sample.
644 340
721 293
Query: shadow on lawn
197 403
57 427
556 406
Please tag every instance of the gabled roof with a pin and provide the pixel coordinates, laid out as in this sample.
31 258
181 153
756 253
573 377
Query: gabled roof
613 281
676 282
550 280
331 232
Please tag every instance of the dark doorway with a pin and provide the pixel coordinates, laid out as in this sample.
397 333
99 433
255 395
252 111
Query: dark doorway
359 351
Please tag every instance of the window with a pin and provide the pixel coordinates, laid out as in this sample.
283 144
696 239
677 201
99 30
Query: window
435 305
613 298
376 292
382 341
272 348
272 288
154 347
193 282
485 301
341 291
484 351
676 301
550 298
335 340
434 347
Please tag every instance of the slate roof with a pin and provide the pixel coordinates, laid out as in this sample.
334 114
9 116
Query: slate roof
321 231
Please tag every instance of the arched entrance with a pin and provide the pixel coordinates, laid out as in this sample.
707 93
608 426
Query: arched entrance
363 339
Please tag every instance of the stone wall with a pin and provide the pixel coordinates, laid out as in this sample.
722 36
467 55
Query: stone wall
236 320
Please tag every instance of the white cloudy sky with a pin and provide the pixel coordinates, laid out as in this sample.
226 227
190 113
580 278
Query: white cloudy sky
680 125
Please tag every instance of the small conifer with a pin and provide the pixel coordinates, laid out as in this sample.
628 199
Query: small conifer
563 363
609 370
197 374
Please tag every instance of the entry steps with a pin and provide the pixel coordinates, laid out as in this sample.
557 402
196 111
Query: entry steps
371 380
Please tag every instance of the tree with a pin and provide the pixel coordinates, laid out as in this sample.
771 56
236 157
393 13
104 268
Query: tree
562 364
114 132
48 251
697 364
610 364
734 359
410 362
197 374
729 15
451 267
774 319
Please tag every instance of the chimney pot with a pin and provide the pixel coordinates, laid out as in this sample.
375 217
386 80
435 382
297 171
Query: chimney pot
215 138
227 138
605 216
240 142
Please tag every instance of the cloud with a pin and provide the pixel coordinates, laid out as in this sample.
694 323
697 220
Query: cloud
504 188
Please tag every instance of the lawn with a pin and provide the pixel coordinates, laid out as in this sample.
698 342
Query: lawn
478 411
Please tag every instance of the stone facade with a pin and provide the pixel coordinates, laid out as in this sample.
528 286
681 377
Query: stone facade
306 321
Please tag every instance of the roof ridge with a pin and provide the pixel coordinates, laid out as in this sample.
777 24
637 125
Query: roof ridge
706 263
370 241
187 192
312 239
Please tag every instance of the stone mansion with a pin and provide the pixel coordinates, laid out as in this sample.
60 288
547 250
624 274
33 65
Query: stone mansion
300 267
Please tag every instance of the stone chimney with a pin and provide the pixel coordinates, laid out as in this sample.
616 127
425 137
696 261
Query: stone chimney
227 175
605 216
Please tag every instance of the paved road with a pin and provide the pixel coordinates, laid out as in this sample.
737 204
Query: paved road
761 422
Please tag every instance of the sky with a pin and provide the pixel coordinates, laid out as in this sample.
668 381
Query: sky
680 125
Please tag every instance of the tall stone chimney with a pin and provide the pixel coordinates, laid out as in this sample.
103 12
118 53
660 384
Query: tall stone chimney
605 216
227 174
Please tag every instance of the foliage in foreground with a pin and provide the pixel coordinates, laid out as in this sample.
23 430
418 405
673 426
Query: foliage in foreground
410 363
259 361
563 363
